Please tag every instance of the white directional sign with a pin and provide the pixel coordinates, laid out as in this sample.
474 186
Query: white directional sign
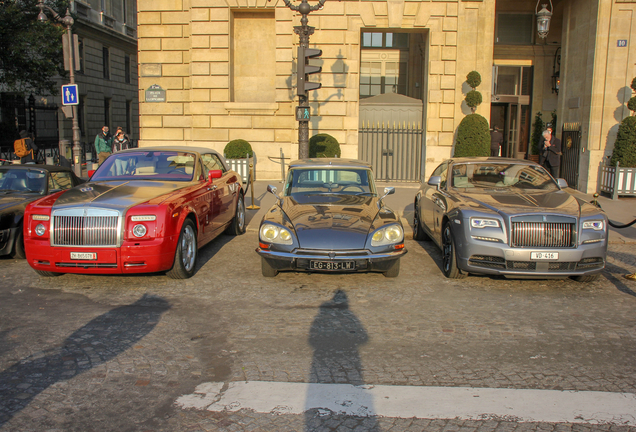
69 95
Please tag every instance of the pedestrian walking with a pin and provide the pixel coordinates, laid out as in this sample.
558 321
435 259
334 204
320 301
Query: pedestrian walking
550 152
103 144
121 141
25 148
496 141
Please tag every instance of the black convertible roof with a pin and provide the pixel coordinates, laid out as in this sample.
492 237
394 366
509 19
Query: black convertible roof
24 167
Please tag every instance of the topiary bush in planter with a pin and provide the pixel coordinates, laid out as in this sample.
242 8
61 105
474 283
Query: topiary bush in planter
323 146
473 98
473 137
237 149
625 145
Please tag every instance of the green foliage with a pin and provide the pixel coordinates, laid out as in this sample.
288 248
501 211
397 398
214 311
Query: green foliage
473 137
537 129
633 86
323 146
473 99
237 149
30 51
625 145
632 104
473 79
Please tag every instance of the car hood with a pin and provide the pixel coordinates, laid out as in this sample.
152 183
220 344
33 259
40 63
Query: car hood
339 223
10 200
117 194
555 202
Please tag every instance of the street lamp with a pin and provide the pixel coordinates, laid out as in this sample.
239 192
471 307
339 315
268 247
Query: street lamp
543 19
304 31
68 21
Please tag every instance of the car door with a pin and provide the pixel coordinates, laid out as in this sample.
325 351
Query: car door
224 188
430 197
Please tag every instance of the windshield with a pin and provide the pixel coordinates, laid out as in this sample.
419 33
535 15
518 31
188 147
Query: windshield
501 177
308 182
25 181
147 165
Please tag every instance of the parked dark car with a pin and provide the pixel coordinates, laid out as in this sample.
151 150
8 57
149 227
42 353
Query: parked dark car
330 218
509 217
144 210
20 185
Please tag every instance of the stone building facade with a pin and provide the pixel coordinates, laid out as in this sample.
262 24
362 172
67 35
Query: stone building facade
228 71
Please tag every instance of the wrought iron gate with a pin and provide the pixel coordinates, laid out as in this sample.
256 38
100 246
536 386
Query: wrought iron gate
395 153
571 154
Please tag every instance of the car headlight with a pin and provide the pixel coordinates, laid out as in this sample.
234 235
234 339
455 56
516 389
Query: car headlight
484 223
275 234
387 235
594 225
139 230
41 217
40 230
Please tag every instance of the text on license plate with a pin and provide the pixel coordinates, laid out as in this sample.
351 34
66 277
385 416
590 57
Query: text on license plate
544 255
332 265
83 255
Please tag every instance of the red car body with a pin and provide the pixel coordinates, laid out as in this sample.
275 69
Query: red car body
144 210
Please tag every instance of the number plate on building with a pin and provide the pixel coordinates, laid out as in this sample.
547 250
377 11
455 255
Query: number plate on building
83 255
332 265
544 255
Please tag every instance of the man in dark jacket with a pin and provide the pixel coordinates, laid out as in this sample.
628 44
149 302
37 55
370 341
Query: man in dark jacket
550 152
496 140
31 147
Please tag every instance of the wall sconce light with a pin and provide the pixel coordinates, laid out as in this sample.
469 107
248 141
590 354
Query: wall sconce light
543 19
556 71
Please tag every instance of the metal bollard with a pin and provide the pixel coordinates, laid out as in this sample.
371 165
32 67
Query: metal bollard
251 178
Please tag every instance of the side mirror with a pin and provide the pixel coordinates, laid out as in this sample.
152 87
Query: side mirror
562 183
387 191
90 173
272 189
214 174
435 181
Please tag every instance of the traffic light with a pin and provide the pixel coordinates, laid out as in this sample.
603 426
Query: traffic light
304 70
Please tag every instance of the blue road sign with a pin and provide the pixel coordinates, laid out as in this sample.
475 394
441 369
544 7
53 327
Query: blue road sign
69 95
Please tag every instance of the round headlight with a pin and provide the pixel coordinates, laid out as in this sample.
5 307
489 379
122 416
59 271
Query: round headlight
139 230
393 234
377 236
40 229
269 232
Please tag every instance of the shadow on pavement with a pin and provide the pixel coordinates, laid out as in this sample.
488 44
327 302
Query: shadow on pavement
97 342
614 273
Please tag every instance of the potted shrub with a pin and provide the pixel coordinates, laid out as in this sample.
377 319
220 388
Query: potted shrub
238 154
473 137
323 146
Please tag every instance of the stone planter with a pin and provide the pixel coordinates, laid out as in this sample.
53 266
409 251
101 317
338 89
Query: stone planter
242 166
617 181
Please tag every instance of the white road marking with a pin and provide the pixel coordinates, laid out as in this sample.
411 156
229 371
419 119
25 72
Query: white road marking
520 405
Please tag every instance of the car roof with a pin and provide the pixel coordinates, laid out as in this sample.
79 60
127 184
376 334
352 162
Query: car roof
186 149
493 159
329 163
50 168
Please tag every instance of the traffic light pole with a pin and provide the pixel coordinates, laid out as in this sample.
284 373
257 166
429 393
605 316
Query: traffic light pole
303 31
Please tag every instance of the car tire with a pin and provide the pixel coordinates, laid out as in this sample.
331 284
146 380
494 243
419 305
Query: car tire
394 271
418 231
47 274
586 278
237 226
267 269
449 254
185 257
18 246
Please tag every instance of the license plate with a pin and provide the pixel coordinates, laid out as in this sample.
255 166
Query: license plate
332 265
544 255
83 255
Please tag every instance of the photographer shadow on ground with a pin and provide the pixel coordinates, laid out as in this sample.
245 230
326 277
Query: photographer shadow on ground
335 336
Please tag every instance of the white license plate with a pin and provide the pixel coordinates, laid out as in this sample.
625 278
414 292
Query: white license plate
331 265
83 255
544 255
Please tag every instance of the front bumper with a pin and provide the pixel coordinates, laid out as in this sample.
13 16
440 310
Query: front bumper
483 257
299 260
132 257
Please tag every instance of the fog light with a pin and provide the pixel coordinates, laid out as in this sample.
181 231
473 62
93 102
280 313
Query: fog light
139 230
40 230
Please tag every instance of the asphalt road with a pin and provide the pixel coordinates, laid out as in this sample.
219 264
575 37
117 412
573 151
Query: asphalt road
93 353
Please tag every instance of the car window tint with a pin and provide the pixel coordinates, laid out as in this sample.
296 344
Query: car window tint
347 181
212 162
149 165
502 176
60 180
441 171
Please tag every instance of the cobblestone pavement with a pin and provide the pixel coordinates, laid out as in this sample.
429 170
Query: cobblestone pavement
111 353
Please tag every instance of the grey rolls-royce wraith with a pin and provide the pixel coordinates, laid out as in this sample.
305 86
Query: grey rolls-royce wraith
509 217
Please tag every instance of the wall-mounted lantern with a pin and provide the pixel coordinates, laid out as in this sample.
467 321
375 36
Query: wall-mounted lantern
543 19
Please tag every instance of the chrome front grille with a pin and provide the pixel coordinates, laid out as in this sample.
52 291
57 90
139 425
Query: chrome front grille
542 234
86 227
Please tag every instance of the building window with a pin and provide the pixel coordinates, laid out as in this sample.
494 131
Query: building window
127 69
385 40
512 80
107 112
106 60
383 63
80 54
514 29
129 117
80 115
